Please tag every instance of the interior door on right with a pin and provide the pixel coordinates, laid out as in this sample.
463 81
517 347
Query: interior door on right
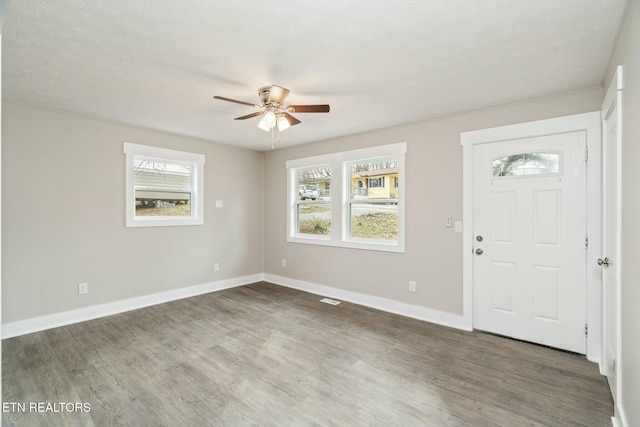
611 160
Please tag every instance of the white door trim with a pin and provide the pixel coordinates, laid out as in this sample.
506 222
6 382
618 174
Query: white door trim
591 124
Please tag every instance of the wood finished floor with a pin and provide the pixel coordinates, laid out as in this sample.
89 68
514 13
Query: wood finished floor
267 355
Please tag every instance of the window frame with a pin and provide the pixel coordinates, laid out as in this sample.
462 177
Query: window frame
340 202
146 152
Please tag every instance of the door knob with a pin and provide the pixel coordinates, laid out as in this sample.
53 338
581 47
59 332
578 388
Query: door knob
479 251
603 262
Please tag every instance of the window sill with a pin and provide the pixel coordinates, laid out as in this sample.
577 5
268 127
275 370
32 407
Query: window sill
350 244
162 222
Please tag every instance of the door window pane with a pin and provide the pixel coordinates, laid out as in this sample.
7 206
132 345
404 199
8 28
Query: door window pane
526 164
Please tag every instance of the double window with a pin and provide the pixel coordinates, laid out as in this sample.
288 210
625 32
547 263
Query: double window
164 187
349 199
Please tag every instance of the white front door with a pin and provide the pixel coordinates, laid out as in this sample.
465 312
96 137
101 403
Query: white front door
529 239
611 118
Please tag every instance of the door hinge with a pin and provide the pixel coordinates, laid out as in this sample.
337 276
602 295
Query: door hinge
586 330
586 154
586 242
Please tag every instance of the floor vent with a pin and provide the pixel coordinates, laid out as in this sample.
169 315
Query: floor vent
330 301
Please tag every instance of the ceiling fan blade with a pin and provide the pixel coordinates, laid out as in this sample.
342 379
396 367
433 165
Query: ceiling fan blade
236 101
248 116
324 108
292 120
278 94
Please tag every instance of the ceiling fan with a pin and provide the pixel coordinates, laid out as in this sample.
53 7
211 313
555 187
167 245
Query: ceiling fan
275 115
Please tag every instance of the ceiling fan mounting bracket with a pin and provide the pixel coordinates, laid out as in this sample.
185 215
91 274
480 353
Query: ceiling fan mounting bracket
265 93
273 95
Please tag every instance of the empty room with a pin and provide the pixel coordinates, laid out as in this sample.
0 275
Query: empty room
320 213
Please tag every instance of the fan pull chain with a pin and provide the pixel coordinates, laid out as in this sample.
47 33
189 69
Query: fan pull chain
275 138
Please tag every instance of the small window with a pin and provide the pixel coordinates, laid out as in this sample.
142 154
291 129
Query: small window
164 187
524 164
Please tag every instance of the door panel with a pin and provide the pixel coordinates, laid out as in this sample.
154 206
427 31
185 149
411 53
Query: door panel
612 117
546 286
504 211
529 275
502 286
546 217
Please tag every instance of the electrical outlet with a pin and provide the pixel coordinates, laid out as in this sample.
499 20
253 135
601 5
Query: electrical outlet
284 262
216 267
412 286
83 288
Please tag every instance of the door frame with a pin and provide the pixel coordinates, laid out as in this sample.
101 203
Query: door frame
590 123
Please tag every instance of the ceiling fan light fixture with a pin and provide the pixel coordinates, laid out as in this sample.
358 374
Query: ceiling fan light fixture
268 121
283 123
270 118
262 124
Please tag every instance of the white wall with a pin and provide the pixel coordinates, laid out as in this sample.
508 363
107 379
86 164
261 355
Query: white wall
63 219
627 54
433 255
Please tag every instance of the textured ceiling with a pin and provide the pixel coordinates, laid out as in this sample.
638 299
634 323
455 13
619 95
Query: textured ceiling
158 63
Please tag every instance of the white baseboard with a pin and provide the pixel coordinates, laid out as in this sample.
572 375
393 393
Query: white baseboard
51 321
408 310
620 418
